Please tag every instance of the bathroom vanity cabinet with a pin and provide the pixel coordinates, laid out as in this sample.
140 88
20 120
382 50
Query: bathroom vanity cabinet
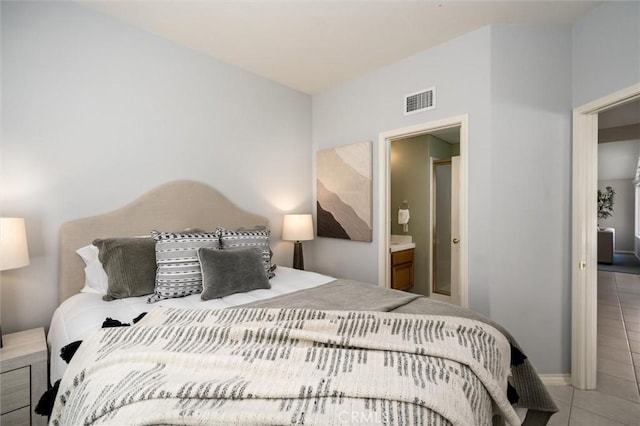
402 269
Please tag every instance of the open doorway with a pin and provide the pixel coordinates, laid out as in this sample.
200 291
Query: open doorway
424 213
458 124
584 235
618 152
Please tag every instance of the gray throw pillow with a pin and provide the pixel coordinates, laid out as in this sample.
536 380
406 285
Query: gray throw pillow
130 264
243 238
229 272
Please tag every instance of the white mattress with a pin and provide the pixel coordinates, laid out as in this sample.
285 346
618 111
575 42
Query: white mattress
83 313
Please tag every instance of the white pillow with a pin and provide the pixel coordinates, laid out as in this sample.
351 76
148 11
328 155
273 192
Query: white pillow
95 278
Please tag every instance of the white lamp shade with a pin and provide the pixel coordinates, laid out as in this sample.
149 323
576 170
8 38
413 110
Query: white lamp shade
297 227
14 252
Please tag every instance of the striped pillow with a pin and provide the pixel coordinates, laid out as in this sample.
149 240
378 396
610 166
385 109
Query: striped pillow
245 238
178 271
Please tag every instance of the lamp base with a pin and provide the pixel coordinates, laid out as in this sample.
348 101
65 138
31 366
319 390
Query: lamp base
298 258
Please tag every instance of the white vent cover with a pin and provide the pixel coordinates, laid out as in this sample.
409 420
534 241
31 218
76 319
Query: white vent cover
420 101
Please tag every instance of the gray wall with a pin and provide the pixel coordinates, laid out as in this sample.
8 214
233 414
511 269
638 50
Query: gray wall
95 113
623 217
617 164
606 51
364 107
442 150
530 187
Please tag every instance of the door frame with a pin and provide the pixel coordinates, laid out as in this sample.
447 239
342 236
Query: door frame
584 273
384 195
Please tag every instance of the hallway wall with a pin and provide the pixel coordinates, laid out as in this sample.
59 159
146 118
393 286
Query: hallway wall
623 217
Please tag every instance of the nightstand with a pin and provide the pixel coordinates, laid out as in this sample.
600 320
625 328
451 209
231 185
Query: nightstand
23 377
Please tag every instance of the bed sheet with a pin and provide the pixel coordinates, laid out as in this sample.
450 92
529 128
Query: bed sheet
83 313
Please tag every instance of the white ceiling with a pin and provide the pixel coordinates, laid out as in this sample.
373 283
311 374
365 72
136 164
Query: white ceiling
313 45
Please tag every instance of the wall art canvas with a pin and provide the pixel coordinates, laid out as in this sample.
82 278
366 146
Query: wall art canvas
344 192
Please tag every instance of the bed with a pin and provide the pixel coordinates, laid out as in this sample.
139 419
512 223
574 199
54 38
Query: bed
304 349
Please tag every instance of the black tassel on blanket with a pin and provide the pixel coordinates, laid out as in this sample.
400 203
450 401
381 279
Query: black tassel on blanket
139 317
517 357
512 394
110 322
45 404
67 352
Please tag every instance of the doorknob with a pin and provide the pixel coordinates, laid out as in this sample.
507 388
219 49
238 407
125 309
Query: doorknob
456 241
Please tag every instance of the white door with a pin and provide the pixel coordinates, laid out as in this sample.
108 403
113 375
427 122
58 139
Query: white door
445 219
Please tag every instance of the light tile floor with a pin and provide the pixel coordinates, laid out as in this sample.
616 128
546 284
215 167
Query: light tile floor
617 399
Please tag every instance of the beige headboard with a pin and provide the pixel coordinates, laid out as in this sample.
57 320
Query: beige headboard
171 207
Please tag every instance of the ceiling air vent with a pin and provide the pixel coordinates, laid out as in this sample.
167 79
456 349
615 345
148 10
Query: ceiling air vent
420 101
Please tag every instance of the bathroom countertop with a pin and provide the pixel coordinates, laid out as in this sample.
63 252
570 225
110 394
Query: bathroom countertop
394 247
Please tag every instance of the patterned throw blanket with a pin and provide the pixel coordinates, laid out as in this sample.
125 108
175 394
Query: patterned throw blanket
288 366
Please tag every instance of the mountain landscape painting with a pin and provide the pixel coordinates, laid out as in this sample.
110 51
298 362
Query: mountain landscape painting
344 192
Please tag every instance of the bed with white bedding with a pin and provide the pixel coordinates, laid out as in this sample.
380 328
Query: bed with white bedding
84 313
301 341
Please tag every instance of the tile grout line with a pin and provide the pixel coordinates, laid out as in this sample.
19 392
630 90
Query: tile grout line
624 325
573 391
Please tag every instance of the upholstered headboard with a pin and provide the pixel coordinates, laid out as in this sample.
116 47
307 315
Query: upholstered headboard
171 207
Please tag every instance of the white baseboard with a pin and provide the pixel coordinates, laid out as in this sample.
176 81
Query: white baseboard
556 379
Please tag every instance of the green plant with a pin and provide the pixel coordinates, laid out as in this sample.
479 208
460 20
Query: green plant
605 202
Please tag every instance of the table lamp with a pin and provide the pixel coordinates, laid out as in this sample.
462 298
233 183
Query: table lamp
14 252
297 227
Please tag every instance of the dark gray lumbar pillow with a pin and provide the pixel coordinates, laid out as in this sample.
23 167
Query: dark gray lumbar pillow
257 236
229 272
130 264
